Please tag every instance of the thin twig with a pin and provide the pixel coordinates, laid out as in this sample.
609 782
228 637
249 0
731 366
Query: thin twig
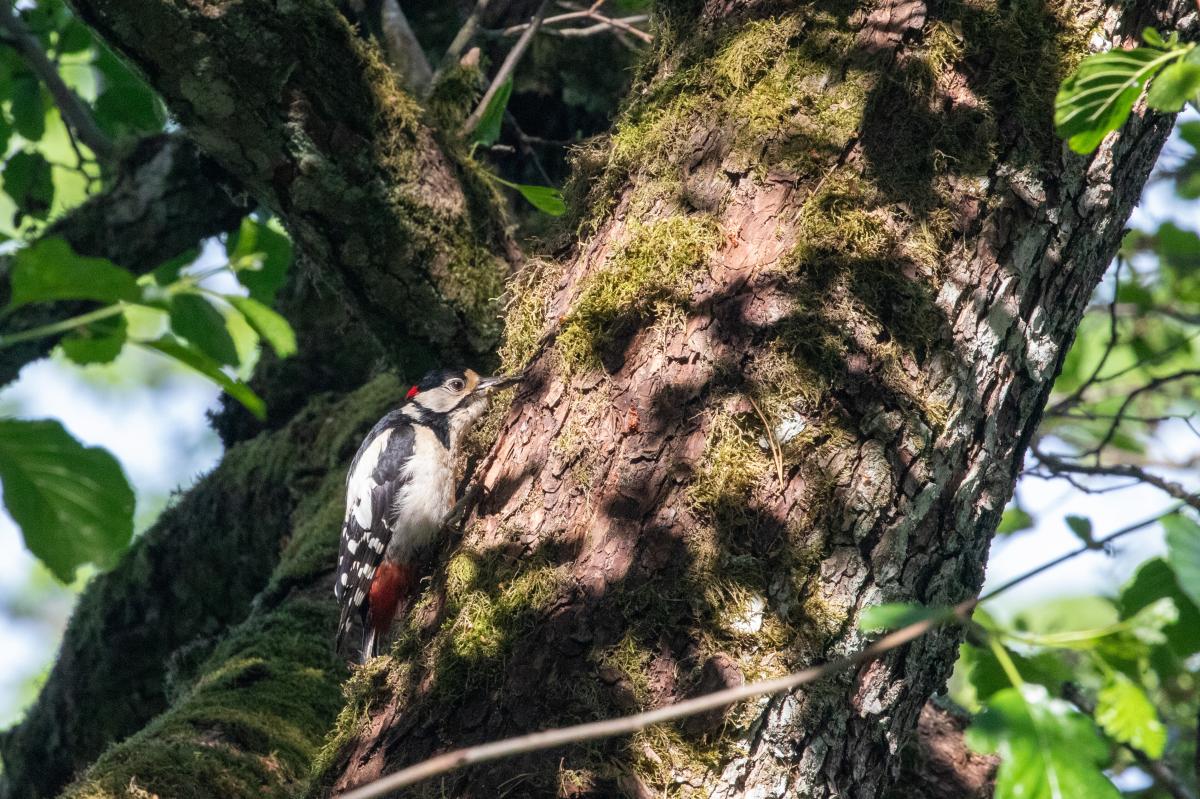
1057 465
626 725
776 451
77 116
603 24
506 69
1099 543
1113 338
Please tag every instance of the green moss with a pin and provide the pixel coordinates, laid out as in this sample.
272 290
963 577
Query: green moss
733 463
490 603
250 724
363 692
248 720
528 295
656 266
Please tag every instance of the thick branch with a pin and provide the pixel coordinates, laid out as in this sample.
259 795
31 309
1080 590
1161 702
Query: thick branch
313 123
166 199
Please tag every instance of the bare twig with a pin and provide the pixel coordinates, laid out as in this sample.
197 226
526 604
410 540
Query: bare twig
403 50
506 69
1153 385
77 115
603 24
1058 465
510 64
1163 776
626 725
1077 395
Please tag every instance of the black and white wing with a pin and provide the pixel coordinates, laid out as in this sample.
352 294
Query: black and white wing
376 477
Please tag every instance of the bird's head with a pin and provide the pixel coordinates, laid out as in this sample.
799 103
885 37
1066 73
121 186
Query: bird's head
461 395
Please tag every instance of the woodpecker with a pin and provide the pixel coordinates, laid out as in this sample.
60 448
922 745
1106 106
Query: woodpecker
399 490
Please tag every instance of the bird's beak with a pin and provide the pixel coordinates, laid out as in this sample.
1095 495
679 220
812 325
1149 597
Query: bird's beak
497 382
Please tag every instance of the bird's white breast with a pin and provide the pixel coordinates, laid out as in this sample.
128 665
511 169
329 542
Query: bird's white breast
425 498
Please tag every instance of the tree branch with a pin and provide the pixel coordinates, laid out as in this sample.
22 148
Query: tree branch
77 115
1061 466
166 199
506 68
340 153
403 50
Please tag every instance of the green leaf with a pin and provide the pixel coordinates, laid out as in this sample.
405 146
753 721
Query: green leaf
29 181
1174 87
1014 520
272 327
188 356
260 254
987 676
128 109
893 616
168 272
546 199
98 342
1097 97
487 132
1178 247
195 320
125 104
1125 712
49 270
1081 526
1047 749
1155 580
1153 38
28 107
1183 551
72 503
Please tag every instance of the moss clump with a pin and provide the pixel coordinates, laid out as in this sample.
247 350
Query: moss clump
490 603
655 268
362 692
733 465
525 311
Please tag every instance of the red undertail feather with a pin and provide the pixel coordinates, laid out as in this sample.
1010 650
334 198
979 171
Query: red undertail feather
392 581
412 392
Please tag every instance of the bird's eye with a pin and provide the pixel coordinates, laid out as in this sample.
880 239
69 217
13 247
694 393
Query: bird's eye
455 385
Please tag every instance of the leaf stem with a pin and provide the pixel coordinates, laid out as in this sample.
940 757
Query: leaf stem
1006 663
63 326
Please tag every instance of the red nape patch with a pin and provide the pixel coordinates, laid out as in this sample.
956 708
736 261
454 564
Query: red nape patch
392 581
412 392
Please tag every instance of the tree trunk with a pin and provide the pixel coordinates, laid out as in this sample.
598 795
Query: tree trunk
829 262
844 235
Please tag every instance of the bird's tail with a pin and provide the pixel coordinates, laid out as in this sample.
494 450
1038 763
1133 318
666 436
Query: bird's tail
370 644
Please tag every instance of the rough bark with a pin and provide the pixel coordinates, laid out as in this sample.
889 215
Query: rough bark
313 123
165 199
938 764
859 218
